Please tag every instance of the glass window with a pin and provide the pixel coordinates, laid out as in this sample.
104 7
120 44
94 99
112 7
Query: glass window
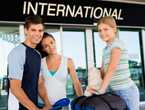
9 38
56 35
131 40
99 46
74 47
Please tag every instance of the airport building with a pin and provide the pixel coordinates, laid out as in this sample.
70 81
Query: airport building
73 24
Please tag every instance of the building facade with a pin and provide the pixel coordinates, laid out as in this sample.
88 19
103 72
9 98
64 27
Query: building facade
73 25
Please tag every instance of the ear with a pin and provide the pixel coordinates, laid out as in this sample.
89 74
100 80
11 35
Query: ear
25 31
115 30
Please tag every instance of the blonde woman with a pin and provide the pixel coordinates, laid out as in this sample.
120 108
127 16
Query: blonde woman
115 68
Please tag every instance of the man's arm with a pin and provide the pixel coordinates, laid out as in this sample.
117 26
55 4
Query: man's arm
18 92
43 93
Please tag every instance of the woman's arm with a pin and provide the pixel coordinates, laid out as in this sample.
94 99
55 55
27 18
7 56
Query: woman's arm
102 72
73 74
114 60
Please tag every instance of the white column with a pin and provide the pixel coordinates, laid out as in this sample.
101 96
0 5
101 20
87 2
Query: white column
21 33
143 38
61 39
90 53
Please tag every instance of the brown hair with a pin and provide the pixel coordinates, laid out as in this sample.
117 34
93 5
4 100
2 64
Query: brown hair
109 20
33 20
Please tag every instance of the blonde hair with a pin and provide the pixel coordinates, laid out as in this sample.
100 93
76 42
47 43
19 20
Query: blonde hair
109 20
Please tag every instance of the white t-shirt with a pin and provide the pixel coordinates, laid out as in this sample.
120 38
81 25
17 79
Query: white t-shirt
55 84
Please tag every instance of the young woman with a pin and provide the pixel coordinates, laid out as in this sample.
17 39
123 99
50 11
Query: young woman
56 69
115 68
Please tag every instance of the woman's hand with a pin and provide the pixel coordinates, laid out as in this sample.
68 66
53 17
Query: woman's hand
101 91
93 90
46 108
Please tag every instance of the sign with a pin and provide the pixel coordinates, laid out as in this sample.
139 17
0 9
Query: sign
73 11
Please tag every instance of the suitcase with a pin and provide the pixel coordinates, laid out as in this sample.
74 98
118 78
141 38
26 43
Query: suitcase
114 101
76 103
105 101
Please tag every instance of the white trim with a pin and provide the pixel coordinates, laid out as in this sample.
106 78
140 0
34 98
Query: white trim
90 52
132 27
127 1
69 24
61 40
21 33
121 26
143 39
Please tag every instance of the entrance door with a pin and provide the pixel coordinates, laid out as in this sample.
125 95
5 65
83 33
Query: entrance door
9 38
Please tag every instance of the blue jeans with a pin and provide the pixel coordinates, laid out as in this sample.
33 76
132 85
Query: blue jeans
130 96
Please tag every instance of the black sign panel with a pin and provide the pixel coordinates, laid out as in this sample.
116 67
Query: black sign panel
73 11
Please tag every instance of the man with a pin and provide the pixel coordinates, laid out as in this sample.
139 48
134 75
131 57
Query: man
24 64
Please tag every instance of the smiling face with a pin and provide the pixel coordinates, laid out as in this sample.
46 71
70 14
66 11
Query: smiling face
34 29
107 28
49 45
34 34
106 32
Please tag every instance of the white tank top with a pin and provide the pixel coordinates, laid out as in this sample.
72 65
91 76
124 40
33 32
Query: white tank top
55 84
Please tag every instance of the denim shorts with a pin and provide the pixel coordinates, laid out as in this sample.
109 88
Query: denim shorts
130 96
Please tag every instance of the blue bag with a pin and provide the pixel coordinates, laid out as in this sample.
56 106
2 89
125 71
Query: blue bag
60 104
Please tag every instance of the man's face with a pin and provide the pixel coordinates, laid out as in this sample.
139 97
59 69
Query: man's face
34 33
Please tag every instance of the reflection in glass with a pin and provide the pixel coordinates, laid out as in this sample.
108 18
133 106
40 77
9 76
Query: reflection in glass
56 35
99 46
74 47
131 41
7 42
